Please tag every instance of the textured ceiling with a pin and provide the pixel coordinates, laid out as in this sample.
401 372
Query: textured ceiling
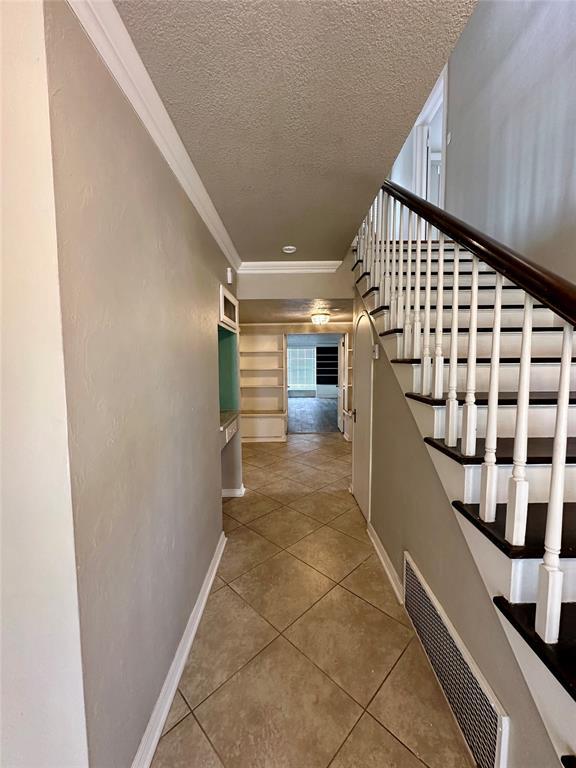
293 310
293 111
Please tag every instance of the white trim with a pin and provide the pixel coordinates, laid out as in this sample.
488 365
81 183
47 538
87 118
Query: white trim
153 731
288 267
504 731
434 100
105 28
232 493
386 564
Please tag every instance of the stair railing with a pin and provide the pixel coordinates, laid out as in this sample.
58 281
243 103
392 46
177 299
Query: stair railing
395 265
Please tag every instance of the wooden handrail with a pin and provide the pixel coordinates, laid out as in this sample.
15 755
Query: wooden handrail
553 291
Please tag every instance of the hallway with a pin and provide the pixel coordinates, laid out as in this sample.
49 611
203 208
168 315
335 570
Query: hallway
304 658
312 414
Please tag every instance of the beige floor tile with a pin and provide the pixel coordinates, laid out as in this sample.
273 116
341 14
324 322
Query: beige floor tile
228 523
255 477
244 549
353 523
230 634
288 714
323 506
310 476
288 467
339 490
335 467
318 458
250 506
353 642
371 746
411 705
259 458
331 552
370 582
282 588
285 490
178 710
217 584
291 450
185 747
284 526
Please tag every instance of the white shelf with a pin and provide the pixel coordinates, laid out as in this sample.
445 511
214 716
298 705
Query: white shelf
261 386
260 370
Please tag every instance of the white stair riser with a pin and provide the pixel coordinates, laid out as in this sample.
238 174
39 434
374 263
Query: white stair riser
516 579
541 420
463 481
543 377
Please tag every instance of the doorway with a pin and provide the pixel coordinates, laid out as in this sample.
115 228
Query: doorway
361 451
313 379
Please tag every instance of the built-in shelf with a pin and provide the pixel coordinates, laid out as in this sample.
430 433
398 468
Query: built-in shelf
261 370
263 413
263 386
260 351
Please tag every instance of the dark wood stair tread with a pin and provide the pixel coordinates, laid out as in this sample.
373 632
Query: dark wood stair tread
505 329
559 658
535 529
504 398
539 450
364 274
569 761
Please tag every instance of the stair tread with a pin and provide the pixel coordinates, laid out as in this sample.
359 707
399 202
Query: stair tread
559 658
535 529
482 360
569 761
539 450
504 398
505 329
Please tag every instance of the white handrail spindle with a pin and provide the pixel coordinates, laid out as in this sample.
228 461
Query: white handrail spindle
426 383
517 508
393 281
549 602
400 296
470 409
438 371
489 477
451 431
407 333
385 292
417 324
379 242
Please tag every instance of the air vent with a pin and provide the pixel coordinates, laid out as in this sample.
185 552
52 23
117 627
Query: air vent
480 716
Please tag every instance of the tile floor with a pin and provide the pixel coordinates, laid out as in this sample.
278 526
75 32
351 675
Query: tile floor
312 414
304 658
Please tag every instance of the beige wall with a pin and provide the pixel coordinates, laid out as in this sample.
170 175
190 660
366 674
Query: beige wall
139 278
418 517
511 161
41 687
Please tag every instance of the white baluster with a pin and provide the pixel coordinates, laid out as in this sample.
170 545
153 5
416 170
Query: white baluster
517 508
469 412
400 293
489 476
379 242
407 334
385 281
438 372
417 323
393 268
369 244
426 383
549 602
451 431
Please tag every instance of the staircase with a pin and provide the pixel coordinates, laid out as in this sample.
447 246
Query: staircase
481 342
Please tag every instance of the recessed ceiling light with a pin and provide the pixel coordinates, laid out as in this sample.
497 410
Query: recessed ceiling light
289 249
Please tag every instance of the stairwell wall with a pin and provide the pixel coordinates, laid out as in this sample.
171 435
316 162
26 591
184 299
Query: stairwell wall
411 512
510 163
139 283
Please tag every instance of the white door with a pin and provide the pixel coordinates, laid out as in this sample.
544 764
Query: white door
362 414
341 383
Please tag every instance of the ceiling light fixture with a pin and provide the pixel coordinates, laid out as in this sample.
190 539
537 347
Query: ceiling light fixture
320 318
289 249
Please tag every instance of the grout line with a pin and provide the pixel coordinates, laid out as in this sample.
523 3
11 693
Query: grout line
175 724
199 724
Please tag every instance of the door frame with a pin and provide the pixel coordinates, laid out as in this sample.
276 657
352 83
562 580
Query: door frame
357 321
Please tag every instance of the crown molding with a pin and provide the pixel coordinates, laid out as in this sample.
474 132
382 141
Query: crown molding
287 267
105 28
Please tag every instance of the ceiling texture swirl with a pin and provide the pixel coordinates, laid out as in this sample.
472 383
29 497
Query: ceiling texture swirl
293 111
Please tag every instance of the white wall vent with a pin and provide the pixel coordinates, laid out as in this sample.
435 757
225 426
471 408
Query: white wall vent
479 714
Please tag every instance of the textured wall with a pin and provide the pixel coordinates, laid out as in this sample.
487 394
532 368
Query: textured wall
42 697
511 162
139 278
418 517
293 112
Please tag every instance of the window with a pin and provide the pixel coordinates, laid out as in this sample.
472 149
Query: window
301 368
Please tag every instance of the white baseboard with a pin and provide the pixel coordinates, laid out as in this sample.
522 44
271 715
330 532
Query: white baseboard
386 564
228 493
153 731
